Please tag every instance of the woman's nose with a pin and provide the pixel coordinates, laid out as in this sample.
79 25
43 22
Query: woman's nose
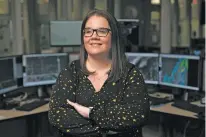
94 34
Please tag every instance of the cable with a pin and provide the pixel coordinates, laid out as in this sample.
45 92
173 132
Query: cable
28 101
185 129
17 99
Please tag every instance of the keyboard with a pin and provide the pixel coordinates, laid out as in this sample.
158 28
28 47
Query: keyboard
188 106
158 101
33 105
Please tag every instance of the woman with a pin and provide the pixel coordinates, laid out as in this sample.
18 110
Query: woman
101 94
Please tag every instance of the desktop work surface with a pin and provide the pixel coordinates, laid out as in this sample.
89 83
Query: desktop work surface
165 108
169 109
11 114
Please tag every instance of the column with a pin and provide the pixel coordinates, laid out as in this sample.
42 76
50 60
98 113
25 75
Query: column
101 4
34 28
186 24
26 35
117 9
59 9
69 9
70 18
165 31
64 10
175 24
52 10
147 8
77 9
87 6
141 23
62 13
17 28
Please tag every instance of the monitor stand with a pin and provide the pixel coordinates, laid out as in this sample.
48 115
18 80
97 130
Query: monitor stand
152 88
40 92
180 94
185 95
49 90
43 92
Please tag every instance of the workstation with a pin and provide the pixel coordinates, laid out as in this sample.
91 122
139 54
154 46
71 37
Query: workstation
167 76
172 63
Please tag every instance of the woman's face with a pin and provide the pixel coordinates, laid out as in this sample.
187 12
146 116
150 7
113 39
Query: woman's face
97 42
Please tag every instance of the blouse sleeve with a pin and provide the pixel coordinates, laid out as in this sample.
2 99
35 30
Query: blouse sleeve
61 115
131 112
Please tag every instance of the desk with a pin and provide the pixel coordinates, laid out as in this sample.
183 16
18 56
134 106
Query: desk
10 114
172 110
169 109
166 108
32 119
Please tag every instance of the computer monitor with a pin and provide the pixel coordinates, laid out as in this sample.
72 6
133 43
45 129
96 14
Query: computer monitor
43 69
65 33
129 33
148 64
8 74
180 71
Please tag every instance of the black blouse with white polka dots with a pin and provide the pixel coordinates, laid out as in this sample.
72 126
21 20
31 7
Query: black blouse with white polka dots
120 108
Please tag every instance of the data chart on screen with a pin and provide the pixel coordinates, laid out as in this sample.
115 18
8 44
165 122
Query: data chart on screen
42 69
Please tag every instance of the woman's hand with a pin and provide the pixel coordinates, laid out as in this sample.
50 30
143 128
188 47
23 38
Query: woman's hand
82 110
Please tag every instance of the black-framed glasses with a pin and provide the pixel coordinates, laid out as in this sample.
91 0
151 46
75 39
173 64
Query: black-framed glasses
101 32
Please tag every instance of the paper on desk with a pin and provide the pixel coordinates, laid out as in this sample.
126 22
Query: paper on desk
2 117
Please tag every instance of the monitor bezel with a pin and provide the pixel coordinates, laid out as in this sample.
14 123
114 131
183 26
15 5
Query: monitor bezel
146 55
177 56
14 87
128 20
40 83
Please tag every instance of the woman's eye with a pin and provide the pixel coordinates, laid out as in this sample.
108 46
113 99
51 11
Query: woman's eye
103 31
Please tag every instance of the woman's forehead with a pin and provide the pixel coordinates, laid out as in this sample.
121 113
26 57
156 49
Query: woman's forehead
97 22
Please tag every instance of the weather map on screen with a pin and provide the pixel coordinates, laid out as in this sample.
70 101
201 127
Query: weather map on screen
175 70
148 64
179 71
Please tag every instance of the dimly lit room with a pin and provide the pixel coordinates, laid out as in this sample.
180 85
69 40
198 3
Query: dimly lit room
102 68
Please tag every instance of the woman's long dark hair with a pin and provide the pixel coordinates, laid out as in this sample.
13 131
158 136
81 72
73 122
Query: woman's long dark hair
117 54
